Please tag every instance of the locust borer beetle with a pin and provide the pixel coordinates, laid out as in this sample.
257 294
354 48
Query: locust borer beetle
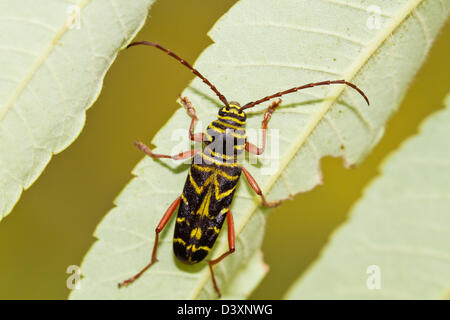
205 202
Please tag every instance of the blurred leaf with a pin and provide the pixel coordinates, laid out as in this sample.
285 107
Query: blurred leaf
53 57
260 49
400 226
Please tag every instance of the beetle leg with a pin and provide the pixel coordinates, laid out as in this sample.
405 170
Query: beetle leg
250 147
181 156
191 113
231 245
159 228
258 191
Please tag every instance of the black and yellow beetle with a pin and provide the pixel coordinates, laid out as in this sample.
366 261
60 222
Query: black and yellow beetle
213 175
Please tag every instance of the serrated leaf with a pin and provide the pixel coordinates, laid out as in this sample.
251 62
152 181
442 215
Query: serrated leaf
400 226
53 57
260 48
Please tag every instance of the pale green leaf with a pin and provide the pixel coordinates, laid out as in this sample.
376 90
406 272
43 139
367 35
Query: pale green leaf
261 47
401 225
53 57
246 278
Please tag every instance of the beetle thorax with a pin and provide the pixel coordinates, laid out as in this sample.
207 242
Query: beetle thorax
226 136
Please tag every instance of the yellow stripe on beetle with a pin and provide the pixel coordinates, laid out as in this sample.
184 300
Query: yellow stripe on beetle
220 163
228 125
226 175
216 230
218 194
221 155
180 241
231 119
235 110
203 169
194 248
183 197
196 233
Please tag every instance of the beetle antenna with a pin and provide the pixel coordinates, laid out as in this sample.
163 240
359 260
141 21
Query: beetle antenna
309 85
194 71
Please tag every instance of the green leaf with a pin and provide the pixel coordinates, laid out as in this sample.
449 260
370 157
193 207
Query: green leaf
53 57
400 226
247 278
259 49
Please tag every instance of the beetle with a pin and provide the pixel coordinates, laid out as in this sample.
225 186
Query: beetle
205 202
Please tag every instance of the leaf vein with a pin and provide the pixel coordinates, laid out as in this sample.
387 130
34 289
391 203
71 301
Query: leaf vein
37 64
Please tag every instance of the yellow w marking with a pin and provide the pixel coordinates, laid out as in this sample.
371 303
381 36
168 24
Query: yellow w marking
198 189
222 195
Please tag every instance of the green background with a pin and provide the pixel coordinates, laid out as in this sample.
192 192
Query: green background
51 226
